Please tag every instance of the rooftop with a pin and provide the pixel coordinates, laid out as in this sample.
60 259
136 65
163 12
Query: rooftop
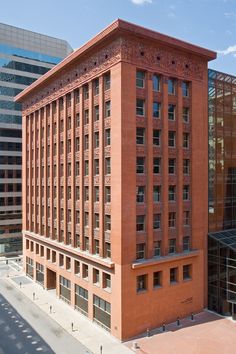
118 26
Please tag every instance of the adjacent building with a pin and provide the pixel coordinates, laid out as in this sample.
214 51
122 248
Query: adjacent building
115 179
24 57
222 193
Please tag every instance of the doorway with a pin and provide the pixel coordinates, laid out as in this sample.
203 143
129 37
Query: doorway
51 279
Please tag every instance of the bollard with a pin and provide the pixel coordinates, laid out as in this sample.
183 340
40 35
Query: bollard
163 327
7 261
135 346
50 308
72 326
100 349
33 296
192 317
20 284
178 322
148 332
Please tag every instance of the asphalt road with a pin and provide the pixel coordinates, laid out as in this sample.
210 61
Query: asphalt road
25 329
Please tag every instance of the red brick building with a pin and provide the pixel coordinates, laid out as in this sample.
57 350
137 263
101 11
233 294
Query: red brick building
115 161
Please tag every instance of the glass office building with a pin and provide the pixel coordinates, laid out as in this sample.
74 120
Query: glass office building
222 193
24 57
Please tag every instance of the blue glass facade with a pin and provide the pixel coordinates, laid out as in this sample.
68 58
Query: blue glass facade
24 57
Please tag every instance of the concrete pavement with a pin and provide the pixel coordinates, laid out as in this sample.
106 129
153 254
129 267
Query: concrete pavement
96 339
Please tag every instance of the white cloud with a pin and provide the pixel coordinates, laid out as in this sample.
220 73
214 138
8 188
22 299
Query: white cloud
141 2
230 50
230 14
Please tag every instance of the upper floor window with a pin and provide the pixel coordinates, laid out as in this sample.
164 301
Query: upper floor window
140 223
156 82
171 139
171 193
142 281
107 109
172 219
86 116
187 270
171 111
156 137
186 166
156 194
186 192
107 165
140 251
156 110
107 137
172 245
140 165
140 194
107 223
107 81
186 243
96 139
171 87
140 79
96 113
171 167
77 95
156 165
186 140
140 107
96 86
185 89
156 221
86 91
140 136
185 114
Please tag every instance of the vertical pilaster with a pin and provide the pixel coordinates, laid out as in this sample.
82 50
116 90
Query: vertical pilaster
179 143
101 168
73 170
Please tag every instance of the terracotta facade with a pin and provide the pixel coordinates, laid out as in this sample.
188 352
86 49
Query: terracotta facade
115 186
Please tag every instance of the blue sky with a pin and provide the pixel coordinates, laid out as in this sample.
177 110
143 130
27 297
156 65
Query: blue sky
208 23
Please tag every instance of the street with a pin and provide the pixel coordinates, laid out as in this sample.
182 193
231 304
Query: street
26 329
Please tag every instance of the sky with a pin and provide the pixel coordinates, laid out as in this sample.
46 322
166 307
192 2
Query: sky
207 23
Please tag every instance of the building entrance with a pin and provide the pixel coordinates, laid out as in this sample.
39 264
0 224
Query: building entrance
51 279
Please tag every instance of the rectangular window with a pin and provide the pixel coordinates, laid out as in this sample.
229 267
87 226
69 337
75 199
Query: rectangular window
186 243
156 81
171 111
96 167
186 192
156 137
96 247
156 110
173 275
172 193
107 137
140 251
171 139
140 194
86 116
140 167
86 142
86 193
172 245
96 276
108 166
185 114
106 281
86 243
186 140
86 219
186 218
171 87
157 279
140 79
96 86
86 91
157 248
107 251
96 221
187 270
186 166
156 165
69 169
86 167
156 194
77 267
77 168
107 222
140 107
77 95
171 167
140 136
172 219
107 194
107 109
96 113
77 216
140 223
107 82
141 283
77 120
85 271
77 144
156 221
96 194
185 89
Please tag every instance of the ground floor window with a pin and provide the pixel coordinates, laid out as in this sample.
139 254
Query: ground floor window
30 267
65 289
81 299
102 312
40 273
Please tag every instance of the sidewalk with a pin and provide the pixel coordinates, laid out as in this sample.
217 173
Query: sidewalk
86 332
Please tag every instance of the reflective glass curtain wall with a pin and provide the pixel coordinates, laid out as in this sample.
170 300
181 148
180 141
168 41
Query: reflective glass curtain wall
24 57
